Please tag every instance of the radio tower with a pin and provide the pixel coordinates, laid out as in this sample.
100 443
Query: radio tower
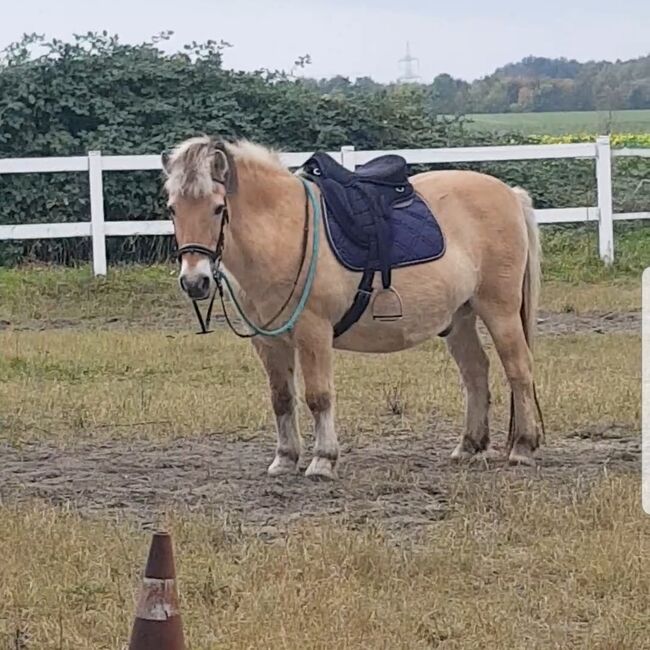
409 75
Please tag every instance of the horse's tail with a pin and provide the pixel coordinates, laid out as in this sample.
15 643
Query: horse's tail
530 295
532 274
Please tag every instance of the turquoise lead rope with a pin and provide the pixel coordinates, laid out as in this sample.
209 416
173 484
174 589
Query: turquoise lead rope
311 274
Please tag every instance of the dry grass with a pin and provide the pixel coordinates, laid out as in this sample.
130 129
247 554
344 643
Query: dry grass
67 385
584 298
513 567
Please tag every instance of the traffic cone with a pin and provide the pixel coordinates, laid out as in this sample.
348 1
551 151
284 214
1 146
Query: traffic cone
158 624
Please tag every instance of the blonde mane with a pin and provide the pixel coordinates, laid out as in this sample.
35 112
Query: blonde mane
190 166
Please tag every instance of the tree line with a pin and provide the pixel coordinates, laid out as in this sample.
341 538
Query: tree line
535 84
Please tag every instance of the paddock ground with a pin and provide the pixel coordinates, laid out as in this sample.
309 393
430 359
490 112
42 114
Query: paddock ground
117 420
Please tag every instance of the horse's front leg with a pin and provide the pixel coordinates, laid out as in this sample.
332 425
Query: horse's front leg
279 360
316 360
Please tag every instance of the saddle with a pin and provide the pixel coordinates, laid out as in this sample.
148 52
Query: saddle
375 222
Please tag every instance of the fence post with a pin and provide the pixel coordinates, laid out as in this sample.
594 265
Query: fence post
348 157
605 209
97 230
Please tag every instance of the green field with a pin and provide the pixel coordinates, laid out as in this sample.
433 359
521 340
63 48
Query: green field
560 123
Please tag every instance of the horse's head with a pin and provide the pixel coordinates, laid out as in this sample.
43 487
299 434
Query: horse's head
200 174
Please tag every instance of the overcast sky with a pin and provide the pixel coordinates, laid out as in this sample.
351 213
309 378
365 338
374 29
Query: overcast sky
354 38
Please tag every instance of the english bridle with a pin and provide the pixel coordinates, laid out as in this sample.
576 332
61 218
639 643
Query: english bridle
229 182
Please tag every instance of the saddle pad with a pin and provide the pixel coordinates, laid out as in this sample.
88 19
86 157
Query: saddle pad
411 232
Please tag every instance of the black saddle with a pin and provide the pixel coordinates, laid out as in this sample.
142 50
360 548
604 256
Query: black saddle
388 170
375 222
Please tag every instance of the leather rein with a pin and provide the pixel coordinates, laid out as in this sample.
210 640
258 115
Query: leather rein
216 255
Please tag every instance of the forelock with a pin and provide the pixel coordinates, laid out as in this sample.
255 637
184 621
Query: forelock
189 168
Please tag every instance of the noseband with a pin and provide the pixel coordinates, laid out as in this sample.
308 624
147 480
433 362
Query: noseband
215 255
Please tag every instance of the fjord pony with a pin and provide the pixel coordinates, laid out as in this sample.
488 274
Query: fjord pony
490 270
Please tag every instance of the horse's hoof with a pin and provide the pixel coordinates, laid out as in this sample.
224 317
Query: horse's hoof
282 465
460 453
321 468
522 455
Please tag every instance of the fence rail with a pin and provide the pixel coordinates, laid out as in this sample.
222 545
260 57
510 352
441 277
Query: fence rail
94 164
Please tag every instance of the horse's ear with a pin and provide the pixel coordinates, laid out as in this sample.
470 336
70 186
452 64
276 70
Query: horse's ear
223 166
164 159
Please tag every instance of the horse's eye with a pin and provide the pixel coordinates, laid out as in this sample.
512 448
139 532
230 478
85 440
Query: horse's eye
218 211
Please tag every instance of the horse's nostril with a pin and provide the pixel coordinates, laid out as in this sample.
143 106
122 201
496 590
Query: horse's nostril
204 283
183 283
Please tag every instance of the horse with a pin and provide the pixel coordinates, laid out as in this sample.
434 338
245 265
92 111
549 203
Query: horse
239 214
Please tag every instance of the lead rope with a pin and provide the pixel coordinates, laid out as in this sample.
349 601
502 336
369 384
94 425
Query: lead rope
208 315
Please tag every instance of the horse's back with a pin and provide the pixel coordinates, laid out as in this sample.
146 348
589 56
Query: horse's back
477 192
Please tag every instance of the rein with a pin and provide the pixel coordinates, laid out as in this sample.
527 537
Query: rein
221 278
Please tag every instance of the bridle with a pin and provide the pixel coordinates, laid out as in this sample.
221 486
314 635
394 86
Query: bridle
215 256
220 278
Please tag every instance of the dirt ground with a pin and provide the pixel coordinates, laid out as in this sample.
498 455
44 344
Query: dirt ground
609 322
402 482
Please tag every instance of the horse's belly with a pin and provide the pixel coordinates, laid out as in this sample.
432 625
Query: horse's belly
429 293
368 335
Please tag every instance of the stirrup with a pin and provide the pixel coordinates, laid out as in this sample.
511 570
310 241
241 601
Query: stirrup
387 305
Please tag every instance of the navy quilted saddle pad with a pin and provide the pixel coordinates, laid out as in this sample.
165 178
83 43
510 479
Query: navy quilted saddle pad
374 218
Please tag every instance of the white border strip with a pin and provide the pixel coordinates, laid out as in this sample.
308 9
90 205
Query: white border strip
645 392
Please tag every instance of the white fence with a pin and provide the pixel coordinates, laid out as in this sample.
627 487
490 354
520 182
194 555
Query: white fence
94 164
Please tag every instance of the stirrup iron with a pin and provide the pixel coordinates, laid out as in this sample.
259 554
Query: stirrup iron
387 305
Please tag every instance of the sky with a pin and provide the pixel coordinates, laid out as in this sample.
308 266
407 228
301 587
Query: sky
467 39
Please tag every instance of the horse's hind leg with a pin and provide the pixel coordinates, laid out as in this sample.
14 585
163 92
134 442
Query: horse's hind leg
507 331
466 349
279 360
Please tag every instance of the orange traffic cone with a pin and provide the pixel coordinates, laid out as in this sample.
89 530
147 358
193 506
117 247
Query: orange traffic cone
157 624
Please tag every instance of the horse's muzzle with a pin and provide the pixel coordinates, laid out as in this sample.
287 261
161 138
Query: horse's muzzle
196 287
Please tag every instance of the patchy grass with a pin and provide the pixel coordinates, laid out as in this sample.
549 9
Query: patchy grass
50 293
67 385
513 567
581 297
